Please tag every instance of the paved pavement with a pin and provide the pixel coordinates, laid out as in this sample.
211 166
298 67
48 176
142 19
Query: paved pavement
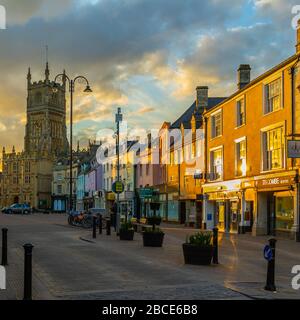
65 266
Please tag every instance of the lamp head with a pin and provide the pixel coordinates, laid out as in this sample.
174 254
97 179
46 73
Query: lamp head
88 89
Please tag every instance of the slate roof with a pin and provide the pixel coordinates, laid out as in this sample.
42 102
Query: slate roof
186 117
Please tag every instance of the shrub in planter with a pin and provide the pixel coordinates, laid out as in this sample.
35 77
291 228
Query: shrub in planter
126 231
154 220
153 237
198 248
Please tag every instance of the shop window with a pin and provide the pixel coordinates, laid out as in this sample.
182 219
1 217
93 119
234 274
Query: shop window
273 96
216 124
240 112
284 213
141 170
241 166
273 149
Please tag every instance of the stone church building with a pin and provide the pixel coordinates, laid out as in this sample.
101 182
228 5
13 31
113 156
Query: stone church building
27 175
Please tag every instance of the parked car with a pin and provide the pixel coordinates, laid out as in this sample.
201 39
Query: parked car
18 208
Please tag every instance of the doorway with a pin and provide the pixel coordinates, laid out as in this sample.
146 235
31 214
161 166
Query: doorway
182 212
271 217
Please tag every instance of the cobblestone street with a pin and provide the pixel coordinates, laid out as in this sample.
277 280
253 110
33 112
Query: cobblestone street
69 264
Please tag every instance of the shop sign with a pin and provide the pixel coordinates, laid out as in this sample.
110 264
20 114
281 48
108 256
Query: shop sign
275 182
216 195
248 184
128 195
228 185
146 193
110 196
293 148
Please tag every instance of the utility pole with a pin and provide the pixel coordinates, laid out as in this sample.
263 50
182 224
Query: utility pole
119 118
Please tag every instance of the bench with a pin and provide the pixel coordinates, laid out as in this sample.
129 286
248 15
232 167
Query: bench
141 225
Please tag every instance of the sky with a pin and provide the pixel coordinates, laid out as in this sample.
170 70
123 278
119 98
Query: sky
145 56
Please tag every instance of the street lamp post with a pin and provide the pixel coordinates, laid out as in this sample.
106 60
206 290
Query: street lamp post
71 83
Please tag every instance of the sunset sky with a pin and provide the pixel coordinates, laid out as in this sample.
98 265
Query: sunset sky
146 56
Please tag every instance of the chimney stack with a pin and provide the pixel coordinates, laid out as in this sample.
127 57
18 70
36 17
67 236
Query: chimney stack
243 75
201 97
298 37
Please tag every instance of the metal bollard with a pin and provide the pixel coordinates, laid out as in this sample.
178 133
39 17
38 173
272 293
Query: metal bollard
27 271
94 227
215 244
270 285
108 227
100 224
4 247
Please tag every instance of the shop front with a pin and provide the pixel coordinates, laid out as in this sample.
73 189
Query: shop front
59 203
127 203
223 206
276 205
110 198
173 208
99 199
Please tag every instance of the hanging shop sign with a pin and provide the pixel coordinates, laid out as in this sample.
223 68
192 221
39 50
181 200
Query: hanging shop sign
293 148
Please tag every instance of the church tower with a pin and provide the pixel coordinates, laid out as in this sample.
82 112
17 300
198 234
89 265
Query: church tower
46 132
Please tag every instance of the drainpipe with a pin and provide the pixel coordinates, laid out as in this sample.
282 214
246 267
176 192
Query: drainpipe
204 205
292 72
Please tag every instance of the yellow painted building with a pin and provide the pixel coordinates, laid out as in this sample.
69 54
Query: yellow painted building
252 185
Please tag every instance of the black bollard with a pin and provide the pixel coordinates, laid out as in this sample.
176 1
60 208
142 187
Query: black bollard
270 285
100 224
94 227
108 227
215 244
28 271
4 247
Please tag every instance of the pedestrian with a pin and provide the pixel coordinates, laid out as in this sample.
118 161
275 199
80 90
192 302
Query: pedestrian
113 216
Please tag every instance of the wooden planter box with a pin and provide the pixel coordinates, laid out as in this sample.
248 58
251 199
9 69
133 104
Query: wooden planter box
197 255
152 239
126 235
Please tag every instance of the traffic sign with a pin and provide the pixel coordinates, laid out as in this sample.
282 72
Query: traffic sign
268 253
118 187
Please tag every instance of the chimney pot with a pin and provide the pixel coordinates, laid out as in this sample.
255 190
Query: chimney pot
244 71
202 97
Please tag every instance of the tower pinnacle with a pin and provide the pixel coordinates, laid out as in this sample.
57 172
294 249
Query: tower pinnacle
47 72
29 76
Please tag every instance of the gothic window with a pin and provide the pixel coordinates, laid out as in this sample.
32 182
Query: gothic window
55 98
27 166
15 167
